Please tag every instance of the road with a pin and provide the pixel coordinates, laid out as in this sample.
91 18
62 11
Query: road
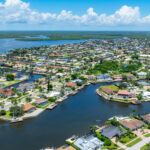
140 144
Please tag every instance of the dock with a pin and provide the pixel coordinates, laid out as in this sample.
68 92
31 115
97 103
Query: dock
52 106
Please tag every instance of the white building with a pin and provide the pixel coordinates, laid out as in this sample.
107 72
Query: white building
89 143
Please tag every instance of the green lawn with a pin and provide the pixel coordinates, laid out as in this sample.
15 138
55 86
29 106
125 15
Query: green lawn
147 135
110 86
127 138
145 147
134 142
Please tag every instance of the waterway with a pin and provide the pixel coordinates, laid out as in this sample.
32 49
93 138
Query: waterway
10 44
74 116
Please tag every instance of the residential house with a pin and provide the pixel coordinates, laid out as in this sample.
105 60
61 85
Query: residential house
117 77
125 94
111 131
142 75
41 102
6 92
132 124
71 84
146 95
88 143
28 108
146 118
90 77
109 91
130 76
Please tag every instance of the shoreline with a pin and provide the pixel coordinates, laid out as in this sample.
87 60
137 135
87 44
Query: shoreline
65 97
61 100
120 101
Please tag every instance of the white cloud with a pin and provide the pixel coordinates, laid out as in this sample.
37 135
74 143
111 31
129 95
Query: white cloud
17 11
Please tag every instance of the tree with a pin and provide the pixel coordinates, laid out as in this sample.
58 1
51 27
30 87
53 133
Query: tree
74 76
2 113
135 56
28 99
10 77
107 142
51 99
122 86
49 86
93 128
16 111
139 96
124 77
114 122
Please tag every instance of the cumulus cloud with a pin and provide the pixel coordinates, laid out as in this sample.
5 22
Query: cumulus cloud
17 11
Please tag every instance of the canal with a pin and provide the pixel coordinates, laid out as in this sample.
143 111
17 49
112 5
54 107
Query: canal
74 116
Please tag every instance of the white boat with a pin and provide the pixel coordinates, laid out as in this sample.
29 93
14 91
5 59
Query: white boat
15 120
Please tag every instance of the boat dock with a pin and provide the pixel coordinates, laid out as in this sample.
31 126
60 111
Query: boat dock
52 106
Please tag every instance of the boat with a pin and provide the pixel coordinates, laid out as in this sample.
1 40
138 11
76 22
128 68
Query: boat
15 120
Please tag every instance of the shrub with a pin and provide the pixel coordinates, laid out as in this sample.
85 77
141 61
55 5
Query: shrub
107 142
2 113
51 99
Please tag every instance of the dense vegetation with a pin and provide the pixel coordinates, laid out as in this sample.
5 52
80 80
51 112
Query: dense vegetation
70 35
114 67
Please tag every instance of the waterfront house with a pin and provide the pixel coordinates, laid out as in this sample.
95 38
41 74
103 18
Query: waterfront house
146 95
143 83
109 91
142 75
107 77
111 131
89 77
53 94
41 102
125 94
146 118
130 76
71 84
117 77
132 124
100 77
77 80
28 108
88 143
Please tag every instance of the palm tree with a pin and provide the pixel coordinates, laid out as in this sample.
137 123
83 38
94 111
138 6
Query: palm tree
93 128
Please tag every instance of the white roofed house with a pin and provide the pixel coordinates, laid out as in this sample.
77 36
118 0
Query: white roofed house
146 95
142 74
88 143
53 94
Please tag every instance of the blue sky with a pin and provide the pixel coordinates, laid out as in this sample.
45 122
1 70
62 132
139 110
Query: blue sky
74 15
80 6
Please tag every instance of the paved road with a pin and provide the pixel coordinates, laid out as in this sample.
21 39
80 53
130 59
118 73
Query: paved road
140 144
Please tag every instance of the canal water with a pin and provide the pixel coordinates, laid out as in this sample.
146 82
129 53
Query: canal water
73 117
